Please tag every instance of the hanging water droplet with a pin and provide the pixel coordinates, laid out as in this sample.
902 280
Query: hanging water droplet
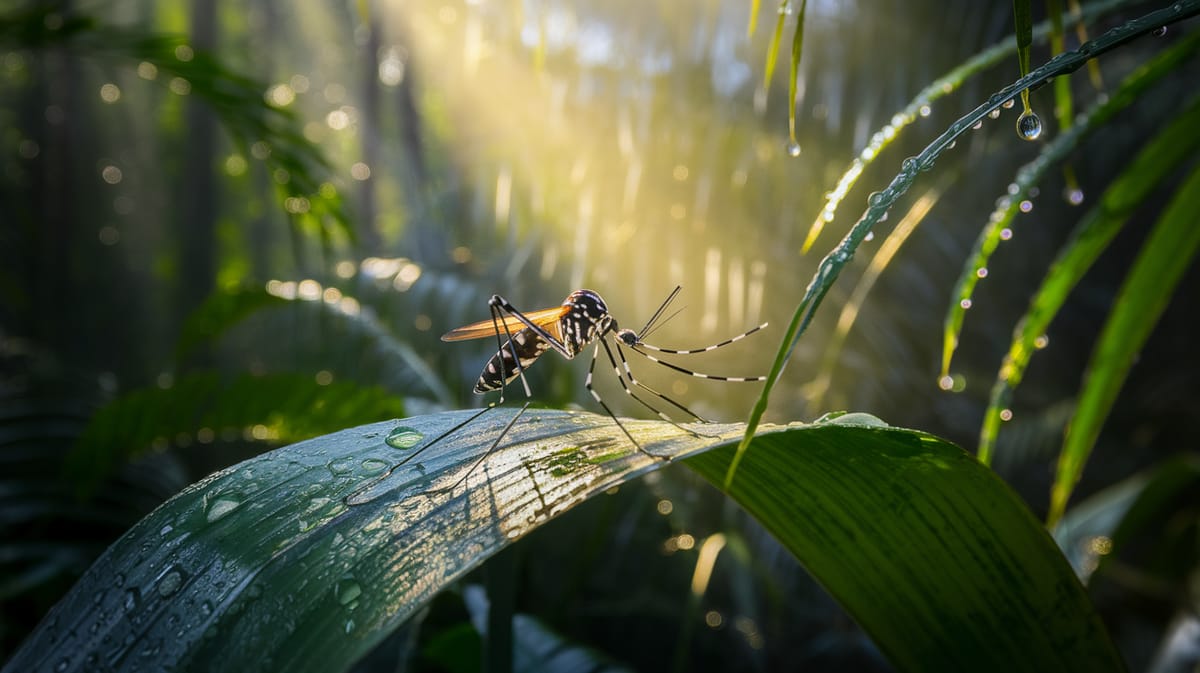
977 125
1008 103
1029 126
220 507
909 165
403 437
792 148
1160 31
870 236
946 382
875 198
1073 196
994 114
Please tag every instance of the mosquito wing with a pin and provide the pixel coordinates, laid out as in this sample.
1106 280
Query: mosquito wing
546 318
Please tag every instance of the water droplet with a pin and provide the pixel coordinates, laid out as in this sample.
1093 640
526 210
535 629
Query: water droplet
341 466
946 382
62 665
982 272
170 582
965 303
977 125
166 530
132 598
1006 415
870 236
1073 196
372 466
994 114
206 608
347 590
909 165
1008 103
1026 206
349 626
792 148
403 437
221 507
1005 234
1160 31
875 198
1029 126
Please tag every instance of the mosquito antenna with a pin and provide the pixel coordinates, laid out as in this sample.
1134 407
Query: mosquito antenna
659 312
665 320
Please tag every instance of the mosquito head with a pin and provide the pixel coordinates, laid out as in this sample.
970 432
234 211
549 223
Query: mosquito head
628 337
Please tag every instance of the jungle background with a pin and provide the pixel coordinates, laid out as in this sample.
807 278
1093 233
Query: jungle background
255 231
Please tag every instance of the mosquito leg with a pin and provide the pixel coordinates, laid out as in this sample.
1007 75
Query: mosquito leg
637 342
503 304
629 374
496 324
699 375
492 448
352 499
596 396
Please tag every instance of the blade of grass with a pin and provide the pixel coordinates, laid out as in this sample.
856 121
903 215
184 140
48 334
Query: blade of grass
797 48
879 203
1023 21
754 7
1031 174
919 106
1143 297
773 48
1174 145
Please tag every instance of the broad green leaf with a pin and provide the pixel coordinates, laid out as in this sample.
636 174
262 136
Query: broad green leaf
304 558
1143 297
929 551
1157 159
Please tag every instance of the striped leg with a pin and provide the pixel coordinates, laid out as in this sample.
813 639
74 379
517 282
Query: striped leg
628 374
596 396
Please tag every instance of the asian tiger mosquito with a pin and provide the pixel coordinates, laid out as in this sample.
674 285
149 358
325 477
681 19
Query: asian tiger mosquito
582 319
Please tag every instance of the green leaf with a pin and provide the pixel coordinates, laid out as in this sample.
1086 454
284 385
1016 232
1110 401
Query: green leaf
1143 297
773 48
1023 19
797 49
304 558
929 551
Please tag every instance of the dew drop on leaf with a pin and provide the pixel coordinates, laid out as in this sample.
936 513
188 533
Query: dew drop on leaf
220 507
403 437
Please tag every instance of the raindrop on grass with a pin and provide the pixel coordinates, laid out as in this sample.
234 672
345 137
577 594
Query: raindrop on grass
403 437
1029 126
220 507
792 148
170 582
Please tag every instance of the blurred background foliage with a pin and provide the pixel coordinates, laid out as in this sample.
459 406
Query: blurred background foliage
230 225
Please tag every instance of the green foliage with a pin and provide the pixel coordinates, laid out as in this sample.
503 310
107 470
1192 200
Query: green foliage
1173 146
260 129
208 406
1167 253
303 558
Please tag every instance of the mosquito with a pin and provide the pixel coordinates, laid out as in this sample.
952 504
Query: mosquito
581 320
